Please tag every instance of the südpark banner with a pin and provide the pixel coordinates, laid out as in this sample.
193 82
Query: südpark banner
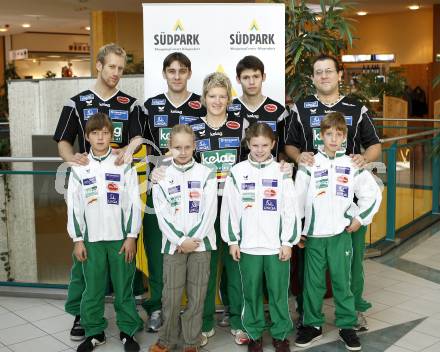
214 37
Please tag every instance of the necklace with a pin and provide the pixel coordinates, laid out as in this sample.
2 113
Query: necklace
216 126
329 103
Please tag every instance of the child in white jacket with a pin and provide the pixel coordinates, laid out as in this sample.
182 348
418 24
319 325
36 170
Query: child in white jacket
259 221
185 202
326 191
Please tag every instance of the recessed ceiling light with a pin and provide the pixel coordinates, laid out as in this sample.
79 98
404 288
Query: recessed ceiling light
87 28
414 7
362 13
3 29
26 25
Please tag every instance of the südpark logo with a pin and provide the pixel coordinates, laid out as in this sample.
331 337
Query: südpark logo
177 38
252 38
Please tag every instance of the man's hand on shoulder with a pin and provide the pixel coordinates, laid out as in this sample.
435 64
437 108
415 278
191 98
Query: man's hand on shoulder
306 158
79 159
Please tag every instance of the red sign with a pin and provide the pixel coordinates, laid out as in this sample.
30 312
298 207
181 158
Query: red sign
342 179
194 104
194 194
122 100
112 187
268 193
270 107
233 125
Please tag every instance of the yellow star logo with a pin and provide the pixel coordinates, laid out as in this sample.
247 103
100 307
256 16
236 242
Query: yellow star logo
178 26
254 26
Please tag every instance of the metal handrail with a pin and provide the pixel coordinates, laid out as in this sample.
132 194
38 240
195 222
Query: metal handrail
404 119
47 159
412 135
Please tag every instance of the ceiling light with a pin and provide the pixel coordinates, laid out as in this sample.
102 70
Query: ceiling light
414 7
26 25
87 28
3 29
362 13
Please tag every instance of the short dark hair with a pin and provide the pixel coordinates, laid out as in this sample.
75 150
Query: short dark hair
179 57
249 62
334 119
97 122
323 57
259 129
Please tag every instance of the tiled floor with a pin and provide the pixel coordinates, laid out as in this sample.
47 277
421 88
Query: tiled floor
404 288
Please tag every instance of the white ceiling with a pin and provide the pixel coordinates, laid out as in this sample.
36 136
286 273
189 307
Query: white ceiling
71 16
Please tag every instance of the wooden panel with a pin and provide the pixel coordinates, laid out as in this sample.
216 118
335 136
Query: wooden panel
394 108
103 31
2 64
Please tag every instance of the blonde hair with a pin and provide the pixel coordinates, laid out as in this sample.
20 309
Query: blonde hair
181 129
110 48
216 80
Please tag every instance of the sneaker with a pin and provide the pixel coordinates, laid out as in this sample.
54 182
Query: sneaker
362 324
130 344
255 345
154 321
307 335
77 332
224 319
91 342
350 339
158 347
281 345
203 340
209 333
240 337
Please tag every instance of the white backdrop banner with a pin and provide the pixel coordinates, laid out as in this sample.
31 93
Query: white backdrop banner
214 37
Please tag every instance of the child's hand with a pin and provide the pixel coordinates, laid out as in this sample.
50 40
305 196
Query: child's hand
190 245
129 247
79 251
234 251
302 242
354 226
285 253
158 174
286 168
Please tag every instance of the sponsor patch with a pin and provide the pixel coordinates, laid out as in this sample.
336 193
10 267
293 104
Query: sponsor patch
86 97
193 184
349 120
194 206
113 177
88 113
233 125
270 107
320 173
117 132
342 179
164 136
194 104
160 120
270 193
194 195
92 200
272 124
234 107
222 160
122 100
342 191
342 170
315 121
322 183
89 181
186 120
248 197
112 198
317 141
203 144
310 104
247 186
198 127
91 191
267 182
118 114
321 193
158 101
112 187
173 190
228 142
269 204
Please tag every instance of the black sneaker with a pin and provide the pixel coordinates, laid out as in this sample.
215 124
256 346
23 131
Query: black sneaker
307 335
77 332
90 343
130 344
350 339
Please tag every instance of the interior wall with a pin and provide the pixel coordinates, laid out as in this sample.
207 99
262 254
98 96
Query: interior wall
407 34
39 68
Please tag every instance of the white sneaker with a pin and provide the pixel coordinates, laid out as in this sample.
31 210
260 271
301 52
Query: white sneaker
154 322
203 340
209 333
240 337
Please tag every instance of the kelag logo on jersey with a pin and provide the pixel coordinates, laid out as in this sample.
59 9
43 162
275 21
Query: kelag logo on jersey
176 40
185 120
228 142
158 102
272 124
86 97
221 160
118 114
160 120
88 113
164 137
117 132
234 107
203 144
252 38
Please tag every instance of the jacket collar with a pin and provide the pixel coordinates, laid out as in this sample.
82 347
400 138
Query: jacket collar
100 158
338 154
183 168
262 164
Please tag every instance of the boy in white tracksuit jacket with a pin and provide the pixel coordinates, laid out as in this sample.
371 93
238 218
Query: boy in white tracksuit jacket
104 219
259 220
326 191
185 202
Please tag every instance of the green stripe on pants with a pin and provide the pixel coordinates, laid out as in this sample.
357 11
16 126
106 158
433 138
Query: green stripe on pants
277 273
334 253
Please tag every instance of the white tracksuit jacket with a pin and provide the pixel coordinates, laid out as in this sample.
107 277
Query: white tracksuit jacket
185 202
326 191
259 208
103 202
